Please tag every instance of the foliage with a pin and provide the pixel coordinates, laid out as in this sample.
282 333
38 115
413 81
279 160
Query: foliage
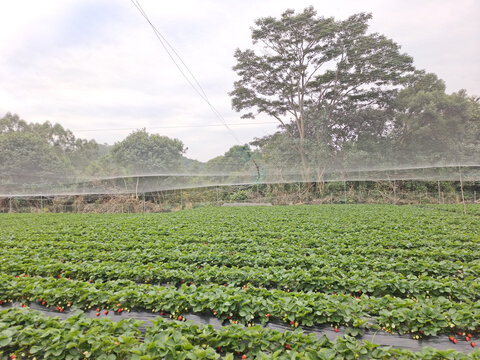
28 332
308 265
147 153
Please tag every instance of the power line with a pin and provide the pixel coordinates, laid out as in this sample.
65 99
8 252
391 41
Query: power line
198 88
179 126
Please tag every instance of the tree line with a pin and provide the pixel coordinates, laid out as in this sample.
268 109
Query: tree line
345 100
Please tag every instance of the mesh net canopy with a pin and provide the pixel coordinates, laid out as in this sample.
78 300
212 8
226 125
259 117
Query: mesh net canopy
266 164
349 105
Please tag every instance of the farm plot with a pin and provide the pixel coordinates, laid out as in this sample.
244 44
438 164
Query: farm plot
395 270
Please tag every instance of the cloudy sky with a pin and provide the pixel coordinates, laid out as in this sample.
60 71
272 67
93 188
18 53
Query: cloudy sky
96 67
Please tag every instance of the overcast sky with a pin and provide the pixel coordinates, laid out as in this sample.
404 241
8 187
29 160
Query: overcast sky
96 67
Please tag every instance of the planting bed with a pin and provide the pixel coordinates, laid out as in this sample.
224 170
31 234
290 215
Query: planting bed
360 269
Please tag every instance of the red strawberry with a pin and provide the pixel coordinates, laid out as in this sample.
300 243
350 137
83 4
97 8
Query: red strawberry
98 309
450 338
118 305
97 314
422 332
459 333
61 310
244 356
161 313
467 339
469 335
287 347
336 330
180 318
106 312
454 341
268 315
119 311
472 344
292 323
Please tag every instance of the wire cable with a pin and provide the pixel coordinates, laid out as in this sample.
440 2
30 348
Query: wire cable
198 88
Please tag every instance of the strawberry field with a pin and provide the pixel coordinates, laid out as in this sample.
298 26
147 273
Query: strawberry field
357 269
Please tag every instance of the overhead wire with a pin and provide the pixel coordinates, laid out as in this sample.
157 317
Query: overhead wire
180 126
198 88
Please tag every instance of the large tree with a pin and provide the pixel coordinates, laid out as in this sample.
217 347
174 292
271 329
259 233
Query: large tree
433 127
144 153
308 64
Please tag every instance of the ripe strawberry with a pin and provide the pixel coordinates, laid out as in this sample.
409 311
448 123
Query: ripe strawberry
450 338
161 313
244 356
106 312
336 330
268 315
97 314
61 310
467 339
473 344
454 341
287 347
119 305
459 333
119 311
292 323
180 318
422 332
98 309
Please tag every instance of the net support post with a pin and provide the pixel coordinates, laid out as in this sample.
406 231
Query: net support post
438 186
394 192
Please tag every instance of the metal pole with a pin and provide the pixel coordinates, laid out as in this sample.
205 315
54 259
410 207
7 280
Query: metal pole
438 185
461 189
181 199
344 191
143 202
299 196
41 202
394 192
10 204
